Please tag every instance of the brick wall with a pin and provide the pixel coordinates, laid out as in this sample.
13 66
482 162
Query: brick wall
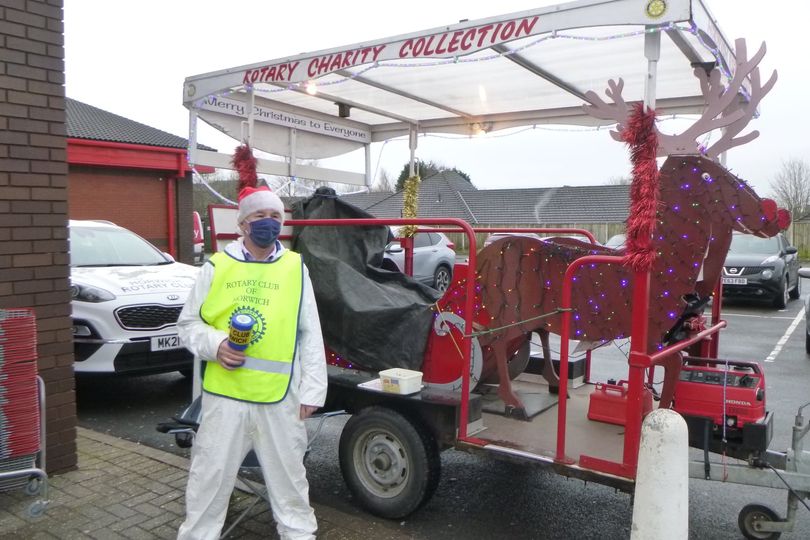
33 202
133 199
185 225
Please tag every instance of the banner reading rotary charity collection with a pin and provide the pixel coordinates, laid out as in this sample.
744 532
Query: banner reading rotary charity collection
443 45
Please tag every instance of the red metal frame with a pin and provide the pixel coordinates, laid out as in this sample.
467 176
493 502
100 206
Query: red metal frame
130 156
639 361
170 215
541 230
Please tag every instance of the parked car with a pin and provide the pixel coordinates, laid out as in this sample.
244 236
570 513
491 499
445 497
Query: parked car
766 268
433 258
498 235
126 296
616 241
805 273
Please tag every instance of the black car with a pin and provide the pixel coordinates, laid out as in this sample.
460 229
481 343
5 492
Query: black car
765 268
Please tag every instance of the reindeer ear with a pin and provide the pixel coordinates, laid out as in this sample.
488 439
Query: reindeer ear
783 218
768 207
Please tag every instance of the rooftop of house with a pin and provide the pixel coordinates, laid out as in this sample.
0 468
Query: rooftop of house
448 194
87 122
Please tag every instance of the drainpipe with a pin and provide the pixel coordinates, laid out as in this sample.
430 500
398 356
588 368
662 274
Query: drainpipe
171 215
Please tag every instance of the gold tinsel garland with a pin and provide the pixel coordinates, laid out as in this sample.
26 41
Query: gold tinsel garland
410 204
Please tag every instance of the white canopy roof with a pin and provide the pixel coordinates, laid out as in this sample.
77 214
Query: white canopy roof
528 68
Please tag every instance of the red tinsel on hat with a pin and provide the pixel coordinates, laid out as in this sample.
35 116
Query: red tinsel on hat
642 138
245 165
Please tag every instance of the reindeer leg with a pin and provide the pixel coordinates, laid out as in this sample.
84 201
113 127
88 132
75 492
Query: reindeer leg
512 405
672 370
548 366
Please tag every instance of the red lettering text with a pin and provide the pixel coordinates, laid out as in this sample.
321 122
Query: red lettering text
453 47
480 37
280 72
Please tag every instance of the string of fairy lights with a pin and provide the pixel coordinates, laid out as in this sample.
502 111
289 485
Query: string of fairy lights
311 87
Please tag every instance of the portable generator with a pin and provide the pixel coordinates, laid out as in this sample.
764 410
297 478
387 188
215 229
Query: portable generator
723 403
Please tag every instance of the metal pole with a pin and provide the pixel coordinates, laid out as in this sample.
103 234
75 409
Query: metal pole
369 179
412 141
652 50
192 135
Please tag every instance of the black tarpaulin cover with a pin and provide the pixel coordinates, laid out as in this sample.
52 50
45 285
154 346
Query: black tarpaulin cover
372 317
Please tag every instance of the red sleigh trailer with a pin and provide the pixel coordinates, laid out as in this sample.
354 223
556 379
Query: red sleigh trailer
484 392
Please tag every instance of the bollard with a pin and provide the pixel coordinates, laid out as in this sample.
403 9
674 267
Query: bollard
661 501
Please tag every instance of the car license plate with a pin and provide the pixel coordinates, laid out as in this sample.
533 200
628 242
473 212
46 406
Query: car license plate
165 343
735 281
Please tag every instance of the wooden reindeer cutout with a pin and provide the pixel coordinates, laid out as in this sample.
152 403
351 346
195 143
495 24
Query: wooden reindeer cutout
694 206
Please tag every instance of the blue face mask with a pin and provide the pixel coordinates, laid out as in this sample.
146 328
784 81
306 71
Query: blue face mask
264 231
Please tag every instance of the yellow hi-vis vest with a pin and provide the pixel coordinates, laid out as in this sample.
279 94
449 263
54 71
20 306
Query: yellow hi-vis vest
270 292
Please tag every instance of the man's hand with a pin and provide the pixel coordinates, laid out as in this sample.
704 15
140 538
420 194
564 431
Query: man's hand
228 357
307 411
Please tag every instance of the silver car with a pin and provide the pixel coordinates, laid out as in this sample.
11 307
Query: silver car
433 258
805 273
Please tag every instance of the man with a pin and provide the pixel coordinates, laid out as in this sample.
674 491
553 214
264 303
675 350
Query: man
257 398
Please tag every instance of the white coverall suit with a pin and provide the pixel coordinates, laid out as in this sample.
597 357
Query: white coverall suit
229 428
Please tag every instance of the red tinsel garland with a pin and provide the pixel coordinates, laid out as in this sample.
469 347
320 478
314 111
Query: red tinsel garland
245 165
642 138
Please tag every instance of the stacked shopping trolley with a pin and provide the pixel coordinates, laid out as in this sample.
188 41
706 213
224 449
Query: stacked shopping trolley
21 408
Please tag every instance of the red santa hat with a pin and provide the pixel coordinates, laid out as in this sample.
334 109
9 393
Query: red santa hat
259 198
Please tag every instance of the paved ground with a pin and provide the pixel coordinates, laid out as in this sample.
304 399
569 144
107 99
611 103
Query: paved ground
130 491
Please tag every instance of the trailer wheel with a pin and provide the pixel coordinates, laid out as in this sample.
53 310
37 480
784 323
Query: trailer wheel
751 516
390 463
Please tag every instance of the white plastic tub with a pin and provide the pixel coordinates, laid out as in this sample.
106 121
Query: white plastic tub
401 381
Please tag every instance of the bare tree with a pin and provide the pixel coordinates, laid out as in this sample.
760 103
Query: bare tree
384 183
791 186
619 181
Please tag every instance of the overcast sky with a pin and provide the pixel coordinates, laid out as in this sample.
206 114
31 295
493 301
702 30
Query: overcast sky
131 58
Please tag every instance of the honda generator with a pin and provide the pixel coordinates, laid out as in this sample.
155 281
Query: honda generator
723 403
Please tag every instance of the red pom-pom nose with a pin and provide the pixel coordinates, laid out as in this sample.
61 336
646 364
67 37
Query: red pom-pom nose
783 218
768 208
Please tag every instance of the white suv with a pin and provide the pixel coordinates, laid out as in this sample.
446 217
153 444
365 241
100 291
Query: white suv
433 258
126 297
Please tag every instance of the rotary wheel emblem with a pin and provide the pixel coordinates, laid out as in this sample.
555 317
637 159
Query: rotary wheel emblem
656 8
259 328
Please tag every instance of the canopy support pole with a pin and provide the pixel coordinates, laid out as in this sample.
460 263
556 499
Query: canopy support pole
369 179
652 50
192 135
412 141
293 160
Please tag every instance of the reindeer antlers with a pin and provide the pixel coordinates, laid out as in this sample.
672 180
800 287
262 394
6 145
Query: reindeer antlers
618 111
724 108
758 91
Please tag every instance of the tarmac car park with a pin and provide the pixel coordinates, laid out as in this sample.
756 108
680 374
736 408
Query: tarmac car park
126 296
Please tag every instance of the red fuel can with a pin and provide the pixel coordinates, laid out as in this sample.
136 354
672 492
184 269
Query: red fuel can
608 403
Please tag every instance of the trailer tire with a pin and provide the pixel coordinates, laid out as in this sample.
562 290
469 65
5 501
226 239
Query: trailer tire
752 514
390 463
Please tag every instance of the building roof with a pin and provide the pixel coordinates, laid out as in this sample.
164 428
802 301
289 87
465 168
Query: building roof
448 194
87 122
